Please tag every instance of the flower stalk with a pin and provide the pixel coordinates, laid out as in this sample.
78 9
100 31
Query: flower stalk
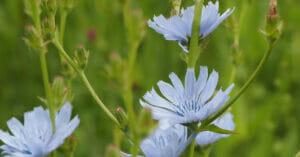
194 42
192 148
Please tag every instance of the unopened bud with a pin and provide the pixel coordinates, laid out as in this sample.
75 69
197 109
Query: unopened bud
52 6
146 122
114 56
58 83
121 115
67 5
60 92
69 146
122 118
81 56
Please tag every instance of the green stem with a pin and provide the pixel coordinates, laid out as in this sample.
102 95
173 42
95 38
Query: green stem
194 43
192 148
127 89
47 88
43 62
36 16
63 18
246 85
233 74
85 81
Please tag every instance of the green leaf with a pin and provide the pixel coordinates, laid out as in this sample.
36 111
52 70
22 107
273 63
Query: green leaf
216 129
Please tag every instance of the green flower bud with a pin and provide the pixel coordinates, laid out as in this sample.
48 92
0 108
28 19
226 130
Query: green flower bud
81 56
60 92
66 5
112 151
145 122
122 118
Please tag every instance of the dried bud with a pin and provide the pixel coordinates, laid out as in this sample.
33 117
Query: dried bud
176 5
272 16
29 27
273 24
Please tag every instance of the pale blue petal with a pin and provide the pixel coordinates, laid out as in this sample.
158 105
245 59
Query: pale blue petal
180 27
202 78
154 99
208 137
35 138
210 87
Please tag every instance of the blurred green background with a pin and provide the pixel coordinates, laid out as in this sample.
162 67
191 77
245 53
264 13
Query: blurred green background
267 115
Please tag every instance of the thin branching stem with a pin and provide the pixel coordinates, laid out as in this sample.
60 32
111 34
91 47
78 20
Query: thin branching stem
245 86
85 81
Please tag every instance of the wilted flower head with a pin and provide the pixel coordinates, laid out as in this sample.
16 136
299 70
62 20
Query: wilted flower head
190 103
169 142
179 27
36 138
208 137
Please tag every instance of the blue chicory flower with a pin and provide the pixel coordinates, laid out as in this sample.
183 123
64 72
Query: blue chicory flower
190 103
36 138
208 137
179 27
169 142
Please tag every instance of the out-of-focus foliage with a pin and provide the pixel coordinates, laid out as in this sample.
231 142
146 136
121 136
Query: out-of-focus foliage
267 115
